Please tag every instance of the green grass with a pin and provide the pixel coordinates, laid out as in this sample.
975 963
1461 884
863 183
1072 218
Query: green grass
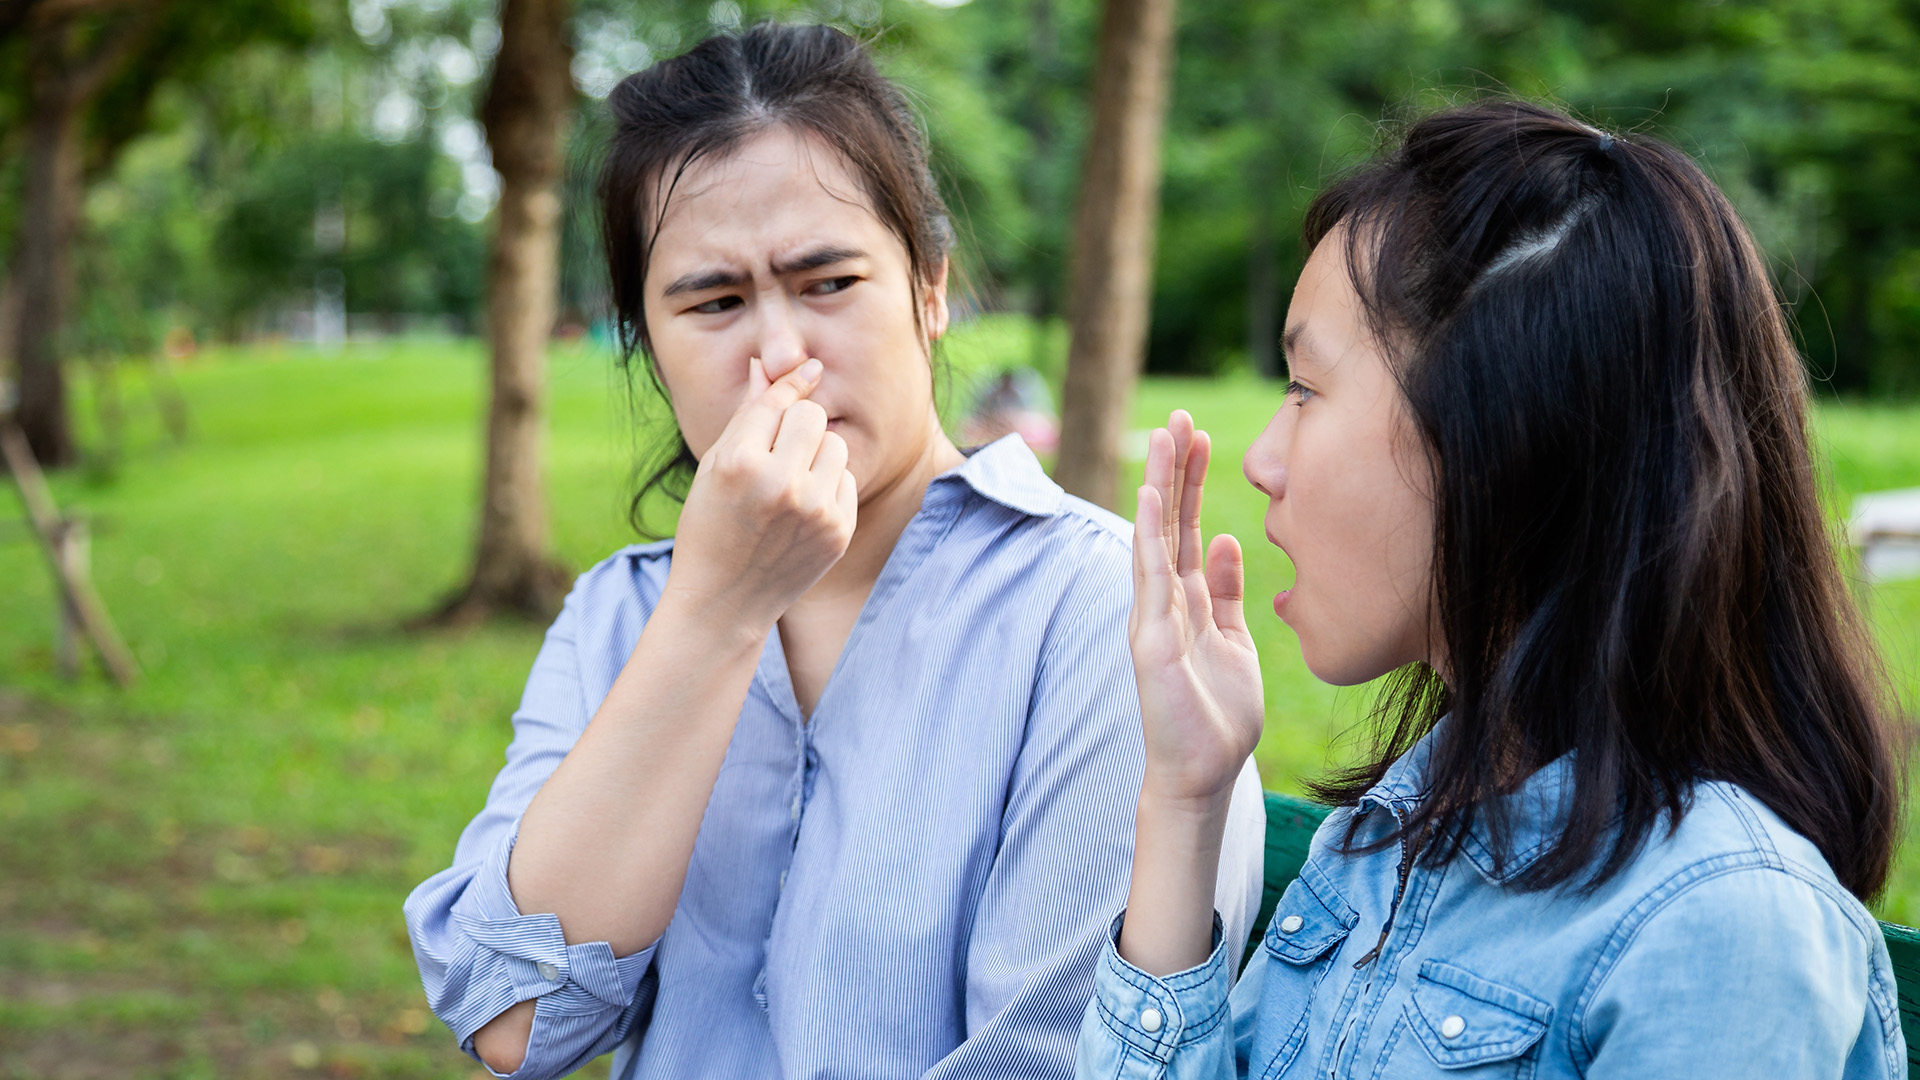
202 876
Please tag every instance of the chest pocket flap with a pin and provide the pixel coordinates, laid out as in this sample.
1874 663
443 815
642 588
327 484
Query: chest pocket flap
1465 1020
1309 920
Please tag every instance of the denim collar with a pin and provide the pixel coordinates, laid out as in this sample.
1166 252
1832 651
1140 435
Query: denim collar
1536 813
1006 472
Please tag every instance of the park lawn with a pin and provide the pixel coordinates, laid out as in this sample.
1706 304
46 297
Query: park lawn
202 876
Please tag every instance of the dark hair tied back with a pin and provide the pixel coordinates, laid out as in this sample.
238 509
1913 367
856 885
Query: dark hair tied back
710 99
1631 564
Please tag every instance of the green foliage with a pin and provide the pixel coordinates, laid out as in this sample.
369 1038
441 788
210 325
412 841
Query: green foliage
1804 110
401 247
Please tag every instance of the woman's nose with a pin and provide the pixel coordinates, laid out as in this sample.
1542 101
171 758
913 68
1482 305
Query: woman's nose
1265 463
782 347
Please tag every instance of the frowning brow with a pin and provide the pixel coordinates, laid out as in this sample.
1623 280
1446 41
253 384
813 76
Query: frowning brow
702 280
815 259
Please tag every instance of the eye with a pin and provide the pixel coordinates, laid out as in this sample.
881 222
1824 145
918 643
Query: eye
1297 391
832 285
717 305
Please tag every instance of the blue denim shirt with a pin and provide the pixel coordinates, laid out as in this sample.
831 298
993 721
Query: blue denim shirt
913 880
1726 949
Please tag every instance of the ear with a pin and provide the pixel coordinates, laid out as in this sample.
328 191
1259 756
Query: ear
933 314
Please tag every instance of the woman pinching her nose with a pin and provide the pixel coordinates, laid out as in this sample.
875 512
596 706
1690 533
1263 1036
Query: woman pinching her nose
821 786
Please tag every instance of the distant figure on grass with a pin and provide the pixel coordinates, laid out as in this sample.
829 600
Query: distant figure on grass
1014 402
824 786
1544 453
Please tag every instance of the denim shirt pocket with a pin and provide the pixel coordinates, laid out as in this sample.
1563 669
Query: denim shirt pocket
1459 1025
1308 926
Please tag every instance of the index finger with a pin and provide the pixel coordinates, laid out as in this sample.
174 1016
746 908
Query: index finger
1194 481
758 420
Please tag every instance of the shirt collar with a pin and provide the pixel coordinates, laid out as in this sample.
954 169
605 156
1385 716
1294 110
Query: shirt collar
1536 813
1006 472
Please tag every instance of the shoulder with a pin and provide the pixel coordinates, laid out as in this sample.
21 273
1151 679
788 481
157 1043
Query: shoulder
1090 550
1085 542
625 584
1734 904
1103 526
1729 845
1033 541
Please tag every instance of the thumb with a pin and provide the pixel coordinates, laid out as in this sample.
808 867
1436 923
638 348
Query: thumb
1227 583
757 381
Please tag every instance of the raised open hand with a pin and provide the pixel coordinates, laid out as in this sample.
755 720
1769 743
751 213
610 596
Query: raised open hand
1201 702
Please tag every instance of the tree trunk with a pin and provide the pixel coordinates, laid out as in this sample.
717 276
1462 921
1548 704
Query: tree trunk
1113 243
49 219
67 69
526 109
1263 278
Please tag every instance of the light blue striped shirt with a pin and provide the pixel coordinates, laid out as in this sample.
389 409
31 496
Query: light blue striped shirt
915 882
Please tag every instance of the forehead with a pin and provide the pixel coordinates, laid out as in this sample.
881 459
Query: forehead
1325 321
778 192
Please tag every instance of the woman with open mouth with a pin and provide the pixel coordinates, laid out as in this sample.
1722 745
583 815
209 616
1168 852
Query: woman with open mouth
1544 454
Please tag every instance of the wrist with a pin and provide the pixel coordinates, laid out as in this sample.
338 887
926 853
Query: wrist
708 623
1183 805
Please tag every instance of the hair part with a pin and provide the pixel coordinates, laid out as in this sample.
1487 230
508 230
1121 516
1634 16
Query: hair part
1631 566
814 80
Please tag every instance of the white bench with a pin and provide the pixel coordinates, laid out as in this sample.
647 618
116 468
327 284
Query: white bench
1886 528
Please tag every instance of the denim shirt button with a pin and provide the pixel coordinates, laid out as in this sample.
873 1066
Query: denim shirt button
1451 1027
1291 923
1150 1021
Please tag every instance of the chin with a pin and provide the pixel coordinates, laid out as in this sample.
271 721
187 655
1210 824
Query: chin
1337 666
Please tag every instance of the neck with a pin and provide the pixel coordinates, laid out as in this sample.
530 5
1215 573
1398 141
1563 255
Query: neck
884 514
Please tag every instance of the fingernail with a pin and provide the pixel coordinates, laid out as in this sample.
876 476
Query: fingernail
810 370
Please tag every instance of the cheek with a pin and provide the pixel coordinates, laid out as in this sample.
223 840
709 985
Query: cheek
704 395
1346 518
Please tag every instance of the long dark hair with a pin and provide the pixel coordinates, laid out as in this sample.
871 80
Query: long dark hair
707 101
1631 565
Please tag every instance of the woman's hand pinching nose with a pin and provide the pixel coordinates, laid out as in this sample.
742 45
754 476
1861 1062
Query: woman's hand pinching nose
772 506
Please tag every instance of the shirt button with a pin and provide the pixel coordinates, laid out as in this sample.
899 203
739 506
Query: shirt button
1451 1027
547 971
1150 1021
1291 923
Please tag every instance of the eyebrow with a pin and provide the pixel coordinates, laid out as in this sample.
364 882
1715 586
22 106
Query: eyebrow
1290 340
702 280
1291 344
815 259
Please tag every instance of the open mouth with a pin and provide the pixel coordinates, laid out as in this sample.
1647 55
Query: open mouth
1280 599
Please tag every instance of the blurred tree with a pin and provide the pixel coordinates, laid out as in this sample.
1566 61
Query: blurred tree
399 248
91 70
529 100
1113 243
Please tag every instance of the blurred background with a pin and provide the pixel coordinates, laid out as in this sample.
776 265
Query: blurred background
246 254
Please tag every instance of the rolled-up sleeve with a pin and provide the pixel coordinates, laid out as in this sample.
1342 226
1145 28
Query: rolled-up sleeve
478 954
